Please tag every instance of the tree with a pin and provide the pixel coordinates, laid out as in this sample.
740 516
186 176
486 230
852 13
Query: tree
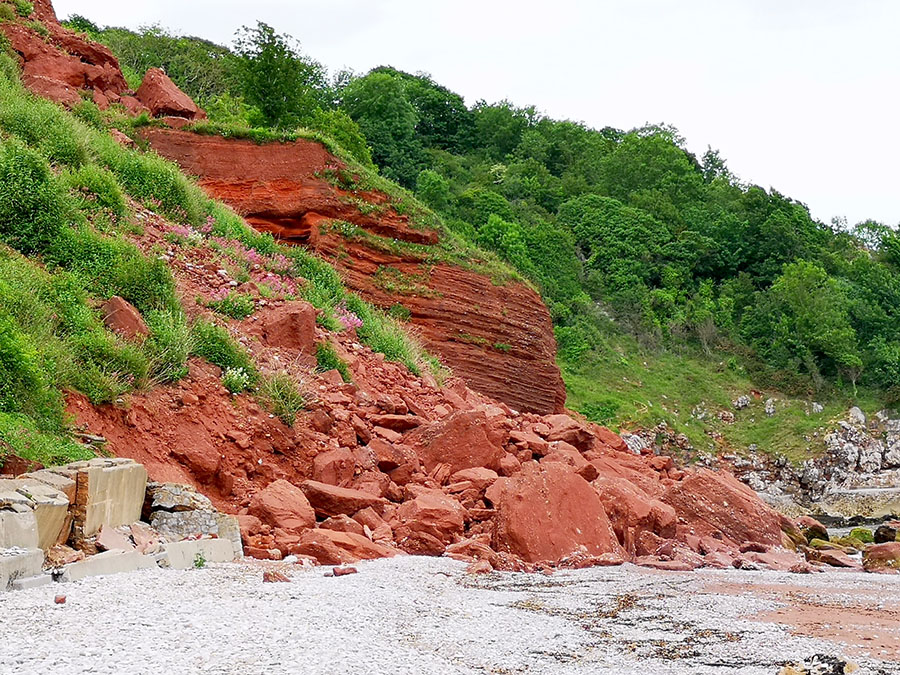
287 87
377 103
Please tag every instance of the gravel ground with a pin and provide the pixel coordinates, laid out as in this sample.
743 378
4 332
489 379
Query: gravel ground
413 615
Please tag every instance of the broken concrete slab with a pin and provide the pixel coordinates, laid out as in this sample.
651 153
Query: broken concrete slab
19 563
229 528
108 492
28 583
182 554
56 480
109 562
50 506
18 528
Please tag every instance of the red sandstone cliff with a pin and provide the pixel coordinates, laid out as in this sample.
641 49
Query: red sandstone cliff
498 338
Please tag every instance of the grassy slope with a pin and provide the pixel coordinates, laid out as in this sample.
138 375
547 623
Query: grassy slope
65 193
629 387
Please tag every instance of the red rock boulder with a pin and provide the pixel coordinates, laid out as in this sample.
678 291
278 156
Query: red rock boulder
335 467
121 317
283 505
165 99
564 428
330 500
547 512
708 502
463 440
632 511
330 547
289 326
429 522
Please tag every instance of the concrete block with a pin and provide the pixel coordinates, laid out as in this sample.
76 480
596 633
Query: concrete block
27 583
51 507
19 563
107 492
58 481
111 562
229 528
18 528
183 553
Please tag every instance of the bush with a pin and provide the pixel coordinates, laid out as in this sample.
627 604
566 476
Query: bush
96 190
44 127
32 206
327 359
281 395
23 7
19 435
154 181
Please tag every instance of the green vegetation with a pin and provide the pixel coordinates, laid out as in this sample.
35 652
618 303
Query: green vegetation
282 396
328 359
236 380
235 305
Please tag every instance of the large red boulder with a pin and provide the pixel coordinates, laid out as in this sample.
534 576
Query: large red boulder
330 500
546 512
330 547
289 326
463 440
433 514
121 317
708 503
564 428
335 467
165 99
632 511
882 557
283 505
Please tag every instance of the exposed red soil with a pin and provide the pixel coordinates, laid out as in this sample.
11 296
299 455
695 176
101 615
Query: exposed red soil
499 339
867 623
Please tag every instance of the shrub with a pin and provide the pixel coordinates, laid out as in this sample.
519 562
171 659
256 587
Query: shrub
328 359
19 435
32 207
24 386
153 180
23 7
44 127
235 305
282 396
96 189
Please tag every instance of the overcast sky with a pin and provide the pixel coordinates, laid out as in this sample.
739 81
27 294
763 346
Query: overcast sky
799 95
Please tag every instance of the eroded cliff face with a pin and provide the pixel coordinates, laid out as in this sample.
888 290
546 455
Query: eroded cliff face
499 338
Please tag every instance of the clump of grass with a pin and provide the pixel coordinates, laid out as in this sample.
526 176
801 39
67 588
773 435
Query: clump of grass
328 359
235 305
216 345
169 345
20 436
7 13
23 7
282 396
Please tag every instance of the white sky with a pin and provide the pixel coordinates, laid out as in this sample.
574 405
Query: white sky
799 95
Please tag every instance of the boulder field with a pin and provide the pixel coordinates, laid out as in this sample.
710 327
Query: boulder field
393 463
